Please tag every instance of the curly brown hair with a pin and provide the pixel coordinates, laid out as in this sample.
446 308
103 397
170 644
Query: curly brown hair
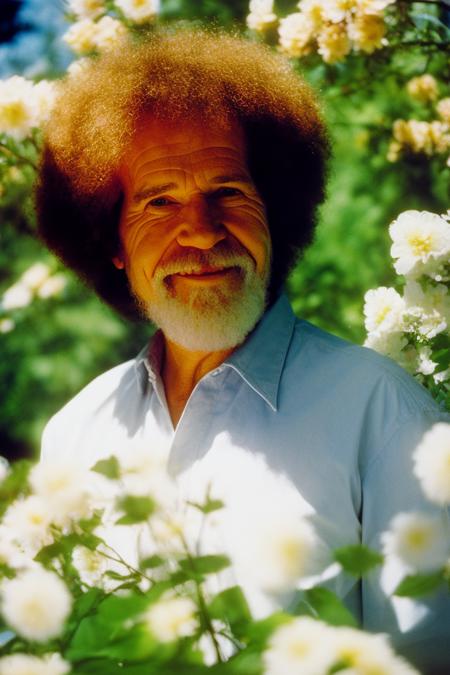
180 73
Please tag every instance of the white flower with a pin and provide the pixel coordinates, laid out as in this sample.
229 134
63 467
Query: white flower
261 15
6 325
63 485
393 345
144 472
296 33
28 521
301 646
383 310
372 6
52 286
81 36
19 111
90 565
427 312
277 548
420 238
36 604
79 66
10 554
317 11
35 276
442 376
418 540
366 654
109 32
45 94
16 297
426 365
26 664
432 463
171 618
139 11
87 9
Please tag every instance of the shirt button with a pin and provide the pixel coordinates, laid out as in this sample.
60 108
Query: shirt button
216 372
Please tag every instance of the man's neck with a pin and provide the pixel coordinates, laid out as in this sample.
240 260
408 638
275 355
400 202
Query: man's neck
181 370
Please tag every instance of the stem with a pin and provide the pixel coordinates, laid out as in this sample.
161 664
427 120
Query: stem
202 605
123 562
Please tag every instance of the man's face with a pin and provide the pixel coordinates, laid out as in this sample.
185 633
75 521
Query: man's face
195 241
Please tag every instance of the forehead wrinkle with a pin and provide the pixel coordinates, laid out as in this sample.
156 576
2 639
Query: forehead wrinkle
188 157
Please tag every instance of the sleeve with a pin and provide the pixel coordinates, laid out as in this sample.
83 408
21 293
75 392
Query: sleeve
419 628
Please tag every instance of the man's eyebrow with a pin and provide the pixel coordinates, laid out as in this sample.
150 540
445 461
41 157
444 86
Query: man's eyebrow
231 178
151 191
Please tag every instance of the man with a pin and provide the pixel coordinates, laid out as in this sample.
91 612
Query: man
180 178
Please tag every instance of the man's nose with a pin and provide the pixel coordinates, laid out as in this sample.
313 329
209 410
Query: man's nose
200 226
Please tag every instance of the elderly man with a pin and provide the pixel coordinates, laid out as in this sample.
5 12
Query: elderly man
180 178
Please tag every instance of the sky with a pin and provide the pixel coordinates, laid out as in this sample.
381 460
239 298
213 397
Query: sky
37 51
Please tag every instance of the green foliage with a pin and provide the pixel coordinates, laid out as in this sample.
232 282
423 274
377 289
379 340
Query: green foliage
357 559
417 585
136 509
108 467
323 604
15 483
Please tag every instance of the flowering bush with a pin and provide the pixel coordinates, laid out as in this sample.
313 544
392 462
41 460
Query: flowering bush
332 28
414 328
427 137
108 569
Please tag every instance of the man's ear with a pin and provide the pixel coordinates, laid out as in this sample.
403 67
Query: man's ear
118 262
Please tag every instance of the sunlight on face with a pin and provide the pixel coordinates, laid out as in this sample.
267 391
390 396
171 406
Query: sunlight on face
195 241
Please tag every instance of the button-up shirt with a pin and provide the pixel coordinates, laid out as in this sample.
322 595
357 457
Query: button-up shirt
333 423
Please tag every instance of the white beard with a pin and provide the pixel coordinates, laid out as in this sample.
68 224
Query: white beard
214 318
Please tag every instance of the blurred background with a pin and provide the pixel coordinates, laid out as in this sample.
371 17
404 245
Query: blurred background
57 338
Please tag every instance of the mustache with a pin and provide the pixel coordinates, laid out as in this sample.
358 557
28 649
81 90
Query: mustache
192 260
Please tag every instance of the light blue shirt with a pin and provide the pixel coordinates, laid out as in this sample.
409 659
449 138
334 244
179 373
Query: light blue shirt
337 422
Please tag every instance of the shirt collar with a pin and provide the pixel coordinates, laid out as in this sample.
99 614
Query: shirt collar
259 360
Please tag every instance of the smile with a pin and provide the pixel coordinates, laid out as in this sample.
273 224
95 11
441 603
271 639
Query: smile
207 273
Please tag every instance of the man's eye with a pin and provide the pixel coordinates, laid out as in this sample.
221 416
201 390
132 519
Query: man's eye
228 192
159 201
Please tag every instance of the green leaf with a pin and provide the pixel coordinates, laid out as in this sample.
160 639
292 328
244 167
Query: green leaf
260 631
230 605
137 509
357 559
86 603
6 571
65 545
209 506
108 467
205 564
415 585
48 553
151 562
329 608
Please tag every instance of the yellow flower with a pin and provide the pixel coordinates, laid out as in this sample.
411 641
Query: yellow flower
333 42
367 31
443 109
296 33
423 88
